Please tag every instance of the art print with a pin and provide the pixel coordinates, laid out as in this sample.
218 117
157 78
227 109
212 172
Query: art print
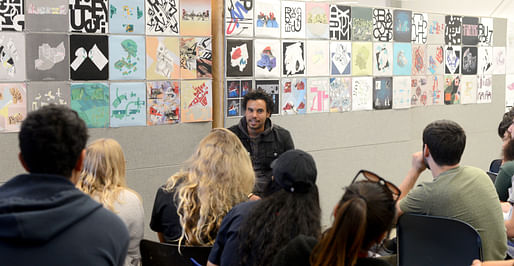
485 60
162 17
435 29
196 100
236 90
362 23
469 60
452 59
317 95
419 59
204 57
239 59
12 15
127 57
470 30
382 25
317 20
419 28
188 54
293 58
293 19
401 92
402 59
127 104
127 16
89 56
340 58
195 18
91 102
435 59
40 94
239 18
267 58
340 23
452 89
46 15
402 31
436 86
468 89
499 59
294 96
421 92
163 105
340 94
485 32
88 16
362 58
162 58
382 93
383 59
271 87
318 54
452 30
13 106
362 93
485 90
48 56
509 92
12 56
267 22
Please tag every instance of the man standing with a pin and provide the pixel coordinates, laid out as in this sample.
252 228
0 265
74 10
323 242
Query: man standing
460 192
263 140
44 219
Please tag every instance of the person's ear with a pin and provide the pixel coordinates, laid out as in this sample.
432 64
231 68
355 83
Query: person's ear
80 161
268 114
426 151
23 163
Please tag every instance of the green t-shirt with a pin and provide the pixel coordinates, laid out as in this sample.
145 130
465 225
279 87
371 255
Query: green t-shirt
467 194
504 180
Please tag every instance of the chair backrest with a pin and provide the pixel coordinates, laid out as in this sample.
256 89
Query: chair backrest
431 240
163 254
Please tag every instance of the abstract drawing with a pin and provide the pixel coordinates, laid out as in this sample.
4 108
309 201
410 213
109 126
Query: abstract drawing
340 23
195 18
485 60
402 31
40 94
435 29
485 32
362 93
89 56
204 57
402 59
452 60
13 106
196 100
271 87
362 58
239 58
317 20
127 16
383 59
294 95
127 57
318 58
293 19
46 15
188 54
267 22
419 59
91 101
401 92
293 58
12 16
12 56
452 89
468 89
239 18
162 58
162 17
340 94
436 86
128 104
382 93
236 90
362 23
469 60
419 28
452 30
485 90
48 54
88 16
163 106
340 58
267 58
421 92
469 30
382 25
499 55
317 95
435 59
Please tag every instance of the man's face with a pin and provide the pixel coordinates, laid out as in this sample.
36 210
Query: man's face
256 114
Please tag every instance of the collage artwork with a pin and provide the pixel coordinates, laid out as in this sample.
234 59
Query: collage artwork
331 57
116 62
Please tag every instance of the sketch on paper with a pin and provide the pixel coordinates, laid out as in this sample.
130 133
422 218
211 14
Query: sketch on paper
340 94
188 54
162 58
468 89
435 29
485 89
271 87
469 30
162 17
382 25
317 95
419 28
267 23
362 59
469 60
294 58
402 25
452 60
89 56
40 94
48 54
452 30
196 100
402 59
88 16
436 86
163 106
485 60
382 93
362 23
318 58
294 96
127 16
13 106
195 17
239 18
362 93
239 58
419 65
421 92
485 32
293 19
401 92
340 58
127 54
452 89
46 15
12 15
91 102
317 20
383 59
340 24
12 56
267 58
499 60
127 104
204 58
435 59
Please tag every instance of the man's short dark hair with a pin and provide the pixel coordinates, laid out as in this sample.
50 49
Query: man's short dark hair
446 141
506 122
259 94
51 140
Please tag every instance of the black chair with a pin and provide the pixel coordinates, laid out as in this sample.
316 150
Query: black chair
430 240
163 254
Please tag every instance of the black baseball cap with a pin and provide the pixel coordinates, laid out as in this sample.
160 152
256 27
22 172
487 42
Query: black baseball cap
295 171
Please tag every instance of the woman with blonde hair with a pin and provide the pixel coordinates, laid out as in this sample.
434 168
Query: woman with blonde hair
189 208
103 178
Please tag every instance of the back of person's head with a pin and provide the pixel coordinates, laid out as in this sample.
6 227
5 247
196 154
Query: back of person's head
362 218
218 176
103 174
508 150
291 211
505 123
446 141
51 140
259 94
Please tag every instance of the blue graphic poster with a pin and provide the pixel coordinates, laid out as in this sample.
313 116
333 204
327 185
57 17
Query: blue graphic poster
127 16
128 104
126 57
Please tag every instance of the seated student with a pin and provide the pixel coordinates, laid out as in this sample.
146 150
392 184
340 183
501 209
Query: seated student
189 208
504 135
363 217
103 178
503 181
252 232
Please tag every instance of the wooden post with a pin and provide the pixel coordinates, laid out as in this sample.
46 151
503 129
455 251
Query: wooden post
218 66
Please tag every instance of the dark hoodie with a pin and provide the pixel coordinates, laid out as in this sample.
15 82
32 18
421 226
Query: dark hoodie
45 220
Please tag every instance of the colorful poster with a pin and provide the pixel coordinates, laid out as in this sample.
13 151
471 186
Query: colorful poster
382 59
46 15
419 28
401 92
239 60
163 105
452 30
485 90
317 20
40 94
468 89
419 64
340 23
293 19
162 58
162 17
91 101
204 57
13 106
436 86
382 25
196 100
12 16
340 94
294 58
271 87
499 59
340 58
362 93
382 93
435 59
362 23
485 32
236 90
128 104
362 59
89 56
88 16
188 56
469 60
435 29
127 54
267 58
402 60
469 30
318 58
239 18
421 92
127 16
294 96
402 31
12 58
317 95
452 60
267 23
485 60
195 18
47 54
452 89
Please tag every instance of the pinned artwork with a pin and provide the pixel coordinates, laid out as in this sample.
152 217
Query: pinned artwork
485 32
88 16
12 56
469 30
162 17
12 16
127 16
509 92
127 57
46 15
382 93
436 86
362 59
435 29
188 55
13 106
340 94
239 58
128 104
402 31
485 89
340 58
195 18
340 23
435 59
383 59
317 20
40 94
469 60
485 60
267 58
382 25
401 92
236 90
402 60
419 28
452 60
163 106
267 23
362 23
89 56
239 18
293 19
499 56
204 57
421 92
452 30
196 100
419 64
468 89
91 101
362 93
271 87
452 89
162 58
294 96
293 58
47 54
317 95
318 58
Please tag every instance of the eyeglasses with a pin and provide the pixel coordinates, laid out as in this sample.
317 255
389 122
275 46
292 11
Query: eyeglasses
372 177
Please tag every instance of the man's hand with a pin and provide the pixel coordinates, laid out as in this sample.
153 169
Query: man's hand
418 164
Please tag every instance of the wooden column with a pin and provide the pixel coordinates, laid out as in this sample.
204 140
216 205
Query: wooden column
218 66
